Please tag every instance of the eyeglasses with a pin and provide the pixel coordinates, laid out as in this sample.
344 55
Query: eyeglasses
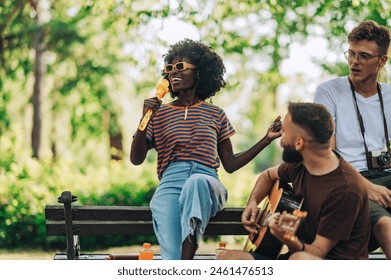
349 55
179 66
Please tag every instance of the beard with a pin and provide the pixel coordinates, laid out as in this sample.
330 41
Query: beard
290 155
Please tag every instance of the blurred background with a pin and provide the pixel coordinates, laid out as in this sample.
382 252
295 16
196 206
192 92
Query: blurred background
74 74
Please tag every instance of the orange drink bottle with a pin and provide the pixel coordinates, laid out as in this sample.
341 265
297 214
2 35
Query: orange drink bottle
146 253
222 247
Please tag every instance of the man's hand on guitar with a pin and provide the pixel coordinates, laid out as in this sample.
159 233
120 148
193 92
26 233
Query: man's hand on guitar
250 218
284 226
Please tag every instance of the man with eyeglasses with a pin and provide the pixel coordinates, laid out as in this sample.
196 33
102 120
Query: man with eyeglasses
361 108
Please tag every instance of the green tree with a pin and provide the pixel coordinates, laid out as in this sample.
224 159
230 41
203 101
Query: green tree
82 48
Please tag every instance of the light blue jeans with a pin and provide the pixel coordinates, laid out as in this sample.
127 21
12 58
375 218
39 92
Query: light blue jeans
188 195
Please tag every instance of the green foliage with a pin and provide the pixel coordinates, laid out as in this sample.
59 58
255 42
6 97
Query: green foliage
27 185
340 69
25 188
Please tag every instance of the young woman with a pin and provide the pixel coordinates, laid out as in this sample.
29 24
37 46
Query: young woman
191 137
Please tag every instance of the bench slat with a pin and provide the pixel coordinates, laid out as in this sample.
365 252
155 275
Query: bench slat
124 213
103 213
55 228
129 220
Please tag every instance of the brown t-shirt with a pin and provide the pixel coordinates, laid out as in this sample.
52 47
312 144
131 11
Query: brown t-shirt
337 206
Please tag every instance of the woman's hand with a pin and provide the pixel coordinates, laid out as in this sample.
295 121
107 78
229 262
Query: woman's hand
152 103
274 130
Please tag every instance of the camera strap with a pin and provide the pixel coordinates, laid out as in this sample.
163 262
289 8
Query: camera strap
361 122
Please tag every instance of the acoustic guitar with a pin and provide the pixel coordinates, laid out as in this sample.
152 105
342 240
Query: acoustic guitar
280 199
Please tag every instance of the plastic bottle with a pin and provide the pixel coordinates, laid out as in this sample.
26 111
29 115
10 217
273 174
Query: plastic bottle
222 246
146 253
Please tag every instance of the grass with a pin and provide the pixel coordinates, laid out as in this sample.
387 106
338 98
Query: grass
30 254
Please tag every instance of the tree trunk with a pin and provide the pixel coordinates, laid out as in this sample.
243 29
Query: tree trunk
38 81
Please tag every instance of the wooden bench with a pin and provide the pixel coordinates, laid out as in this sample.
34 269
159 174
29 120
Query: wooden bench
72 221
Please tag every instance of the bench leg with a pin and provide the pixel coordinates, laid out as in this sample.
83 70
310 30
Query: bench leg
76 242
66 198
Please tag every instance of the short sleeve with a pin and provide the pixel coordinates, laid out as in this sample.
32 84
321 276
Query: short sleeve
225 128
323 97
286 172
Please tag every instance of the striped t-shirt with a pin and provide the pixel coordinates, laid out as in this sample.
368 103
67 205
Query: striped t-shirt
192 139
